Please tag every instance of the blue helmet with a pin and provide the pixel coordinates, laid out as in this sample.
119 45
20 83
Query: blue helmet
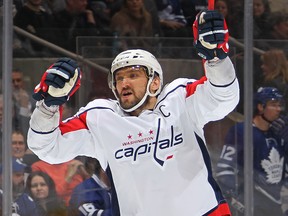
265 94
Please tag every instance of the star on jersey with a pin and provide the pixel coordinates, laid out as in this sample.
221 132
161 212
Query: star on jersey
160 148
140 134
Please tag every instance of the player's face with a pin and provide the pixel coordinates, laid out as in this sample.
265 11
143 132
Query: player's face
131 85
273 109
39 188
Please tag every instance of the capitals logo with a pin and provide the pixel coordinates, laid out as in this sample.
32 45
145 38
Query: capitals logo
152 146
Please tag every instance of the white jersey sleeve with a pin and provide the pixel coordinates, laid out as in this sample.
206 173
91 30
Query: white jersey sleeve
57 142
215 95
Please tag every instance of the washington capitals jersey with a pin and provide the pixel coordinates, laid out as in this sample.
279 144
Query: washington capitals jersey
268 162
158 160
91 197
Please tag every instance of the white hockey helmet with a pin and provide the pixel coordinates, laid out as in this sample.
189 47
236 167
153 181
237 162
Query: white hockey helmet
136 57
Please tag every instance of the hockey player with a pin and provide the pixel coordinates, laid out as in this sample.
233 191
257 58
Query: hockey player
268 151
151 138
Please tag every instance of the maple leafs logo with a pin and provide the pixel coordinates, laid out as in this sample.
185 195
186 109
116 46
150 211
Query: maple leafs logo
273 167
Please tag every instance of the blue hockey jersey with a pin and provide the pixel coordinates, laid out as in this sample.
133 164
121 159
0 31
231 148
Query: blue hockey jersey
268 164
90 198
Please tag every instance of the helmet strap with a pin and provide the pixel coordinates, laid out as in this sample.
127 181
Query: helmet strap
141 102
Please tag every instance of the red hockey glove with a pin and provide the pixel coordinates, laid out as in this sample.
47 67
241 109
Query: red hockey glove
211 35
59 82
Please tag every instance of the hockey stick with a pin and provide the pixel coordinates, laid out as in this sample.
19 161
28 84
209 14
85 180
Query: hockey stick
210 4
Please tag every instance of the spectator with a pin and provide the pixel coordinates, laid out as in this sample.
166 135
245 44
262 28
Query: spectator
20 151
268 153
172 20
261 13
22 204
192 7
65 175
34 19
133 20
279 26
41 187
275 71
14 122
18 4
53 6
101 13
18 180
236 18
151 7
223 6
18 145
92 196
21 101
75 20
279 5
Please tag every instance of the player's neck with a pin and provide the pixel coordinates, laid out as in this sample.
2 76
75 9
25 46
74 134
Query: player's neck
148 105
261 123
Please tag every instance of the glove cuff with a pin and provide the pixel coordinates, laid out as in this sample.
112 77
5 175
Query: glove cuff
47 110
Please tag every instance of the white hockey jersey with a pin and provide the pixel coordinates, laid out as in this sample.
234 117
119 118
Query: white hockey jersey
158 160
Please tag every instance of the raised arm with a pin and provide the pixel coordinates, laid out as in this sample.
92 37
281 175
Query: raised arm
46 136
217 93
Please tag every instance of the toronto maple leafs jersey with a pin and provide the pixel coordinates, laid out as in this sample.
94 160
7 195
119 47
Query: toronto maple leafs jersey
23 205
158 160
90 198
268 164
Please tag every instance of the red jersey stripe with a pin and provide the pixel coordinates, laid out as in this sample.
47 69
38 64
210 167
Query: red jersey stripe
191 88
221 210
76 123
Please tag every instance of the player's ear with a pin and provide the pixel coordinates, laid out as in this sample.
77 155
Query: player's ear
155 84
260 108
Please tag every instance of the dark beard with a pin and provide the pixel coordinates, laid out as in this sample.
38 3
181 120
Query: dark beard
18 190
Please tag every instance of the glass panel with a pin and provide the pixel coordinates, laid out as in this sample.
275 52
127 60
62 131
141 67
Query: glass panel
178 59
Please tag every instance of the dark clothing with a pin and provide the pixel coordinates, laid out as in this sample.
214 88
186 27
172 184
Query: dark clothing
90 198
38 23
71 25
